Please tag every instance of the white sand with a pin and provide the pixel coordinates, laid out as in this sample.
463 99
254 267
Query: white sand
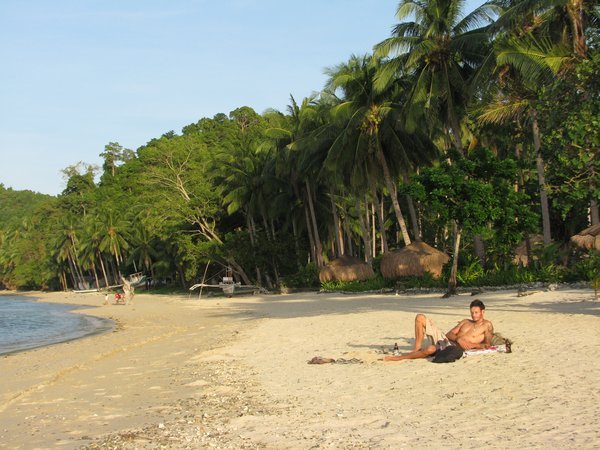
234 374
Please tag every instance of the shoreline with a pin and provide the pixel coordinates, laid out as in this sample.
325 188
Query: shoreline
102 326
73 393
233 373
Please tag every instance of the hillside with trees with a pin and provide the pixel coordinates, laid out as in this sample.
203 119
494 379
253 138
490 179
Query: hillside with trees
471 133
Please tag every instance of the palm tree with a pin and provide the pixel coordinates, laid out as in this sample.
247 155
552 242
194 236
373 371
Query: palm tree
245 185
565 21
441 49
523 64
114 239
371 143
67 248
143 250
300 152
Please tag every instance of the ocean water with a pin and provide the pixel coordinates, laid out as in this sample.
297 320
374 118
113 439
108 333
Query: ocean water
26 324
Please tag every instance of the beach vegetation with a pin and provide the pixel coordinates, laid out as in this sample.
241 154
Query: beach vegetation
470 132
377 283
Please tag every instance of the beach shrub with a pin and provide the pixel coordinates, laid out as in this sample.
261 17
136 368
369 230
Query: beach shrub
373 284
376 264
306 277
551 273
470 273
425 281
587 268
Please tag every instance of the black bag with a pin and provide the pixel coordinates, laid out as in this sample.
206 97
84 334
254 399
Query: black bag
449 354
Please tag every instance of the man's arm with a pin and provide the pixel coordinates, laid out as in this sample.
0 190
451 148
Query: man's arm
453 333
489 334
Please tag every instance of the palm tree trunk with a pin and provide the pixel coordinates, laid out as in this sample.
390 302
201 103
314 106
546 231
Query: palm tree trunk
72 271
113 269
373 231
252 232
339 245
384 244
95 275
181 276
412 211
457 139
413 218
379 208
99 256
348 239
318 245
392 190
296 244
311 239
453 272
539 162
63 280
575 11
594 215
364 231
479 247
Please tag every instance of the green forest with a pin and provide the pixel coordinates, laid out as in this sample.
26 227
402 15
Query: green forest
473 133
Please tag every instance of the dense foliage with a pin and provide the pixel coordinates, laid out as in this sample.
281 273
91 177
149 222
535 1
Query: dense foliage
470 132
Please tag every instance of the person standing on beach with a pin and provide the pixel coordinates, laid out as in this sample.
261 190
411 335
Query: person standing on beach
472 333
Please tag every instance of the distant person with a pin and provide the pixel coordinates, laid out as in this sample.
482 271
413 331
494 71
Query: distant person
469 334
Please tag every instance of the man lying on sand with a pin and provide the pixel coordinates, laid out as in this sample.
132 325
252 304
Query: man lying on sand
468 334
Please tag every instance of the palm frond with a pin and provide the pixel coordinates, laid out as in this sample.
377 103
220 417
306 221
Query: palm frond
407 8
503 110
482 16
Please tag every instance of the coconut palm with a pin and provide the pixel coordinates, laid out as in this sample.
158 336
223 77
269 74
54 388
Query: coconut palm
300 151
371 142
67 248
522 65
114 240
566 21
441 49
143 249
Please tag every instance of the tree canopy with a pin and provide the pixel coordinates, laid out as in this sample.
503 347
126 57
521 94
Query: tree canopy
470 132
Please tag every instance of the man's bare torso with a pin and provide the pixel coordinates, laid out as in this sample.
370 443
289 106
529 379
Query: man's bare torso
470 334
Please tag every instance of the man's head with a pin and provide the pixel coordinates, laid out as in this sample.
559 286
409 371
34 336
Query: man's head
477 310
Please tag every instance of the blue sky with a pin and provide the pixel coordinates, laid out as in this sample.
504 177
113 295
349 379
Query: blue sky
77 74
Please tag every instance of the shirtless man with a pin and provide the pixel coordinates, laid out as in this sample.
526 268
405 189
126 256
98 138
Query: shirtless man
468 334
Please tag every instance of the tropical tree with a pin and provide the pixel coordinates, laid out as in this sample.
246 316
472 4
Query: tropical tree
372 143
300 140
523 65
114 239
441 50
565 21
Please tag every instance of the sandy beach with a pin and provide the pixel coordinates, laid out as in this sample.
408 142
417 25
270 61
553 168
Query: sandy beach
232 373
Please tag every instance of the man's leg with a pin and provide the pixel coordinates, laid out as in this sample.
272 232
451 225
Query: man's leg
420 327
418 352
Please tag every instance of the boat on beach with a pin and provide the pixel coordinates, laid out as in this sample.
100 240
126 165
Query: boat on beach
135 280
